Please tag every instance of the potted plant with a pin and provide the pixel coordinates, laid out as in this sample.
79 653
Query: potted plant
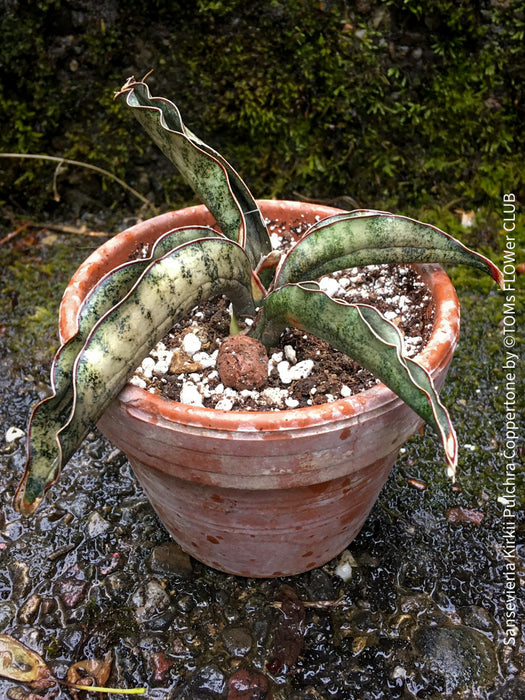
259 493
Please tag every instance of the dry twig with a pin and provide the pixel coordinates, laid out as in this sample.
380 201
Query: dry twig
80 164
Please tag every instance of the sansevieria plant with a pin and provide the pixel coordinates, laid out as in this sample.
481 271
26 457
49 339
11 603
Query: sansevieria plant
134 306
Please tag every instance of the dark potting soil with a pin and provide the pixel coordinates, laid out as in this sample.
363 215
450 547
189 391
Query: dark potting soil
303 370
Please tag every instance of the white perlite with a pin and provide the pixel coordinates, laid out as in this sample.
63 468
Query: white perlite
191 344
13 433
289 373
201 384
345 565
191 395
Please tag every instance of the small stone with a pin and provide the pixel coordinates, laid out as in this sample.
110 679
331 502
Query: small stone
237 641
20 579
70 591
290 354
181 362
274 395
242 363
137 381
147 366
224 404
465 515
191 344
13 433
7 613
149 600
329 286
205 360
246 684
29 609
344 566
458 656
207 681
170 559
301 370
478 617
96 525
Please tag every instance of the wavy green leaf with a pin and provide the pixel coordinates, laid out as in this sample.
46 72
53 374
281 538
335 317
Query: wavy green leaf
53 412
372 238
365 335
211 176
167 290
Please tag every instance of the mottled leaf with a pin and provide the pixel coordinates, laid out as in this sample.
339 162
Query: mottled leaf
371 238
53 412
366 336
167 290
208 173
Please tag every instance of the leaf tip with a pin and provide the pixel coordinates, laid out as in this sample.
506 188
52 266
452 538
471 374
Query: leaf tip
21 502
451 450
497 275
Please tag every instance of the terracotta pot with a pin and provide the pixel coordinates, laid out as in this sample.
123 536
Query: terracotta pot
261 494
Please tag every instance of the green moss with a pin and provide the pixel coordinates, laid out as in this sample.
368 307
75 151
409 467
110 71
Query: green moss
34 277
397 104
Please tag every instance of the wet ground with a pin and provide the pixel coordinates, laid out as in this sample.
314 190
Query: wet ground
423 614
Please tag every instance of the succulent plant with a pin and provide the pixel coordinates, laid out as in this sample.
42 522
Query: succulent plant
134 305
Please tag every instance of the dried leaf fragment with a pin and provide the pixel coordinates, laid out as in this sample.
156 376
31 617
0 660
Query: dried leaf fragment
90 672
466 515
19 663
289 632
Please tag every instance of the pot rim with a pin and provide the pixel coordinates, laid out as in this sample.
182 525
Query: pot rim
435 355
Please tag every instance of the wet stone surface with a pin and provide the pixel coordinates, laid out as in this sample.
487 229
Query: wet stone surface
420 612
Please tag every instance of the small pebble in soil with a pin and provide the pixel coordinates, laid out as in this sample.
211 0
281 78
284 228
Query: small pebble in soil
13 433
242 363
301 371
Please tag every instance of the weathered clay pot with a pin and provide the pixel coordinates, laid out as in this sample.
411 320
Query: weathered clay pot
261 493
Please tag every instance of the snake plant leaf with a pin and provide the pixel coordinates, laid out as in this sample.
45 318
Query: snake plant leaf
372 238
168 289
108 292
212 178
366 336
50 415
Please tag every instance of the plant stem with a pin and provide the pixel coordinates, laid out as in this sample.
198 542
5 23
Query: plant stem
100 689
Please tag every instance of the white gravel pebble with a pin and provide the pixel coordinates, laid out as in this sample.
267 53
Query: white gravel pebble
191 344
205 359
291 403
345 565
301 370
275 395
290 354
13 433
329 285
190 394
147 366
